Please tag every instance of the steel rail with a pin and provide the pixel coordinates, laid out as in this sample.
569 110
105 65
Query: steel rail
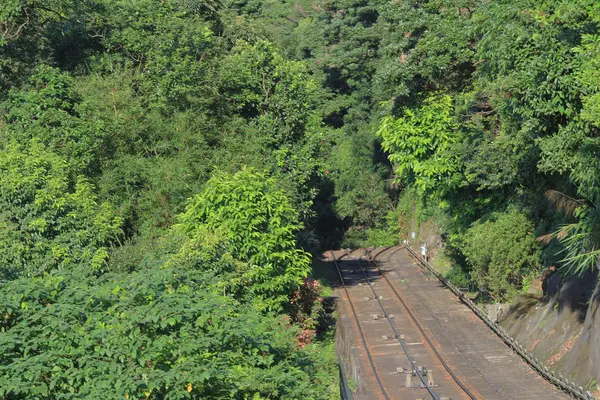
362 335
412 362
435 351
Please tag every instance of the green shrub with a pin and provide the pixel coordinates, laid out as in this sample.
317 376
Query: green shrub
501 251
157 333
50 112
254 221
459 277
47 221
387 232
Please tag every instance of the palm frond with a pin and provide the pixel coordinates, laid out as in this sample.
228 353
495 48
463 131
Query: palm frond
560 234
581 262
545 239
564 202
563 232
581 249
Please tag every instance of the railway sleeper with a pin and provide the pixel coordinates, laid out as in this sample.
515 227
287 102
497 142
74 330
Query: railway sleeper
410 374
377 317
386 338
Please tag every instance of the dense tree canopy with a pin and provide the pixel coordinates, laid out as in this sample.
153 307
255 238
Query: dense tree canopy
156 172
520 130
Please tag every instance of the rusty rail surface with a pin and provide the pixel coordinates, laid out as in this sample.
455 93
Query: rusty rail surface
370 273
559 381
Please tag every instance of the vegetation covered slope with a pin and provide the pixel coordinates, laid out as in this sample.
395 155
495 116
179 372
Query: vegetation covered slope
158 165
495 128
481 115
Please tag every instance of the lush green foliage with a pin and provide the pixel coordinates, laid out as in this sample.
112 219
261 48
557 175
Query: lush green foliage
49 112
522 79
156 333
419 143
162 153
47 222
256 224
116 117
500 252
360 190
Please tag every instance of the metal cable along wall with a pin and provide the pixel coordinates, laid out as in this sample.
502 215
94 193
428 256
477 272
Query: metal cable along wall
568 386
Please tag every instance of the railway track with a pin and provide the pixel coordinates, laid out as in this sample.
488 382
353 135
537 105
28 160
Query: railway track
421 360
360 330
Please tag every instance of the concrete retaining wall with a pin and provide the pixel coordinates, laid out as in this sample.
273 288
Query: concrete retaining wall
348 355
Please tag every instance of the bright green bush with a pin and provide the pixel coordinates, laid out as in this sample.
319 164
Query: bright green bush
255 222
48 222
418 144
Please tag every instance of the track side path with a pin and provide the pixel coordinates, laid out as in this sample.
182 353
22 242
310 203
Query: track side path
440 333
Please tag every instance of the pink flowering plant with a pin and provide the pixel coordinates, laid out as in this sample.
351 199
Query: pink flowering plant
306 307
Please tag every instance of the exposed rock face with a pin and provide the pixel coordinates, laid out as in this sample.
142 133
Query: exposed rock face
562 328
